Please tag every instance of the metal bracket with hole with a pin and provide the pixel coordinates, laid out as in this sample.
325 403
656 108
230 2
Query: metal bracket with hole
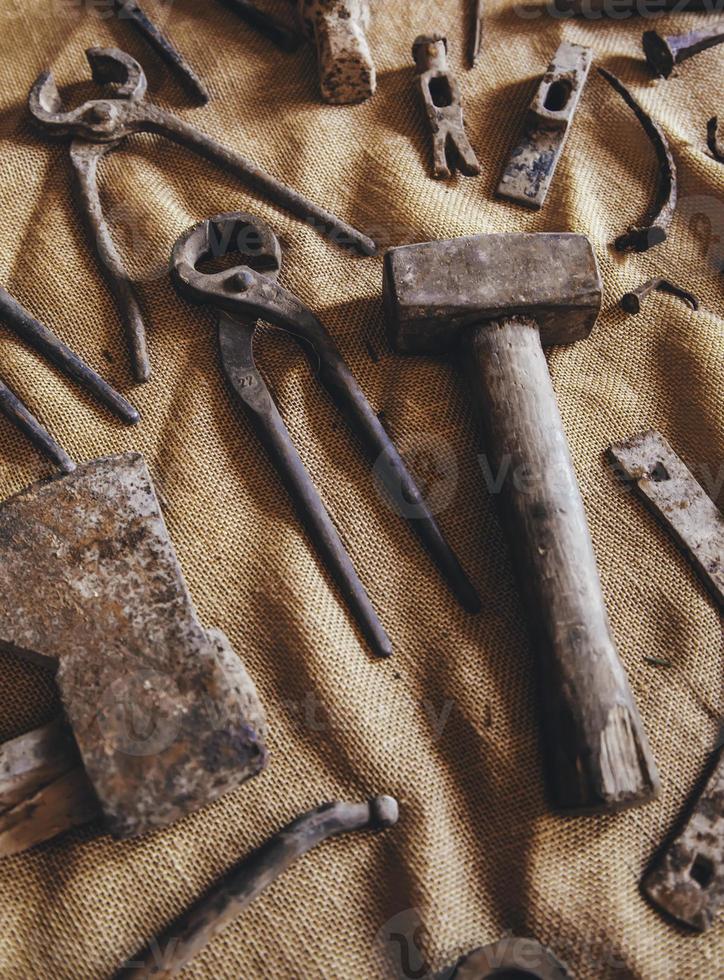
688 881
530 170
668 487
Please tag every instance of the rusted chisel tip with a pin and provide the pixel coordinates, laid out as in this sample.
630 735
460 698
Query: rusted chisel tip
201 93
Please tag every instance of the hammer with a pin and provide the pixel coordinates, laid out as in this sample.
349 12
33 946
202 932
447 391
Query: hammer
498 299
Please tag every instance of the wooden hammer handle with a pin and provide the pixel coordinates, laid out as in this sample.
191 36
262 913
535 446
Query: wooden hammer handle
597 750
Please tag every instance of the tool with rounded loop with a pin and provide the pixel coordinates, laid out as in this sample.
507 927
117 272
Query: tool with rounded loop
98 126
248 291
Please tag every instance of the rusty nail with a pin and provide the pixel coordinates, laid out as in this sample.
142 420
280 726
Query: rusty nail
631 301
662 53
655 223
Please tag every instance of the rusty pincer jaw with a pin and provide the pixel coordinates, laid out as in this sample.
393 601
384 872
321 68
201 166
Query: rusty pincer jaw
97 120
240 290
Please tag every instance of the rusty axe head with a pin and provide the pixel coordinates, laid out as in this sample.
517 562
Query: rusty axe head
165 716
434 290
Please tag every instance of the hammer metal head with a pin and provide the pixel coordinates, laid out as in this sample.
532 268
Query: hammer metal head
434 290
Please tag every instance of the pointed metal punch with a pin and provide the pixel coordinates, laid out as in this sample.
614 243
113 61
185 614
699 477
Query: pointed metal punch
99 125
45 342
250 291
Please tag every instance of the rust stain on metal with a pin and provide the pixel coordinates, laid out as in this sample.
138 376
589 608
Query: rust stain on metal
687 880
164 714
441 99
99 125
631 301
663 53
530 169
655 223
338 29
670 490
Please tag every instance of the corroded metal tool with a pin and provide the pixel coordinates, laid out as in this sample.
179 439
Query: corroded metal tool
440 95
98 126
653 227
669 489
498 299
687 880
529 172
45 342
338 30
130 11
167 955
163 717
663 53
248 291
633 300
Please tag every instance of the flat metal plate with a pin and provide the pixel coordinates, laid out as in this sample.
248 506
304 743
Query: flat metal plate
669 488
687 882
529 171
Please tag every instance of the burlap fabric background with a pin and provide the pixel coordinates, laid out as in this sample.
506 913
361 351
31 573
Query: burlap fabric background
448 724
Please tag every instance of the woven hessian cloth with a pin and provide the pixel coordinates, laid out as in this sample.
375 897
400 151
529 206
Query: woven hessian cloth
448 725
